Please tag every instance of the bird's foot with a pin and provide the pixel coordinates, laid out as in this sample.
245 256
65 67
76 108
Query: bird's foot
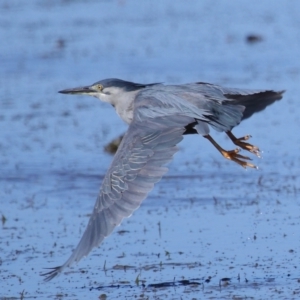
240 142
236 157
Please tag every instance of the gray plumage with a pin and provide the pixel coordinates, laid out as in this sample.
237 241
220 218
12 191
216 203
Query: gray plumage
158 116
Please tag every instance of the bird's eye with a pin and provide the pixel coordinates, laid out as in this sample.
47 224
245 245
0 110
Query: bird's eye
99 87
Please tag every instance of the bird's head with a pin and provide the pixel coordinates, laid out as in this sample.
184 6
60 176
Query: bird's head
106 90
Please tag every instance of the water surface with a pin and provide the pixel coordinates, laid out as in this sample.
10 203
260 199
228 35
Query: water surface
209 229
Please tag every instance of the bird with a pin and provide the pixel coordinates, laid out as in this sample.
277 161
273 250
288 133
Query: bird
159 116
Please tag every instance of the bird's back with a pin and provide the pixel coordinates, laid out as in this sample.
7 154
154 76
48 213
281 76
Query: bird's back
205 95
253 100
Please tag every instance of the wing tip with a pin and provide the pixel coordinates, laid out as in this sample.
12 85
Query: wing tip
51 274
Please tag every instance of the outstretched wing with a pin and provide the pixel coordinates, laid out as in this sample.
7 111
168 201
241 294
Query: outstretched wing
136 167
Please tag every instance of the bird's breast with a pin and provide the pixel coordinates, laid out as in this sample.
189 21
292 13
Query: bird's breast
125 114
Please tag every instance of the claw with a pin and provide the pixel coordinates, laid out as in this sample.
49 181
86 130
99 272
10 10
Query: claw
238 158
245 138
246 146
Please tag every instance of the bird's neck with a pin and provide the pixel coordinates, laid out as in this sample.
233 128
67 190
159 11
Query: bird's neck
123 104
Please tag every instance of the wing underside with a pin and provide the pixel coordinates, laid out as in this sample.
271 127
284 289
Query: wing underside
137 166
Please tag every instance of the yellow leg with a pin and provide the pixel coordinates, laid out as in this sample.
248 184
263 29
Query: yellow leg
232 154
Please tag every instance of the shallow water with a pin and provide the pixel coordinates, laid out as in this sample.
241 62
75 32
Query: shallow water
208 220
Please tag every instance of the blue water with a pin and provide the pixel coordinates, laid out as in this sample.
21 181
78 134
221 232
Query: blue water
208 216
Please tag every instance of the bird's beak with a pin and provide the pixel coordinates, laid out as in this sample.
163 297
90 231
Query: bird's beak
84 90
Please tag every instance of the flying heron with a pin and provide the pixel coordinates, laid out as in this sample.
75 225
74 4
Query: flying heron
158 116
